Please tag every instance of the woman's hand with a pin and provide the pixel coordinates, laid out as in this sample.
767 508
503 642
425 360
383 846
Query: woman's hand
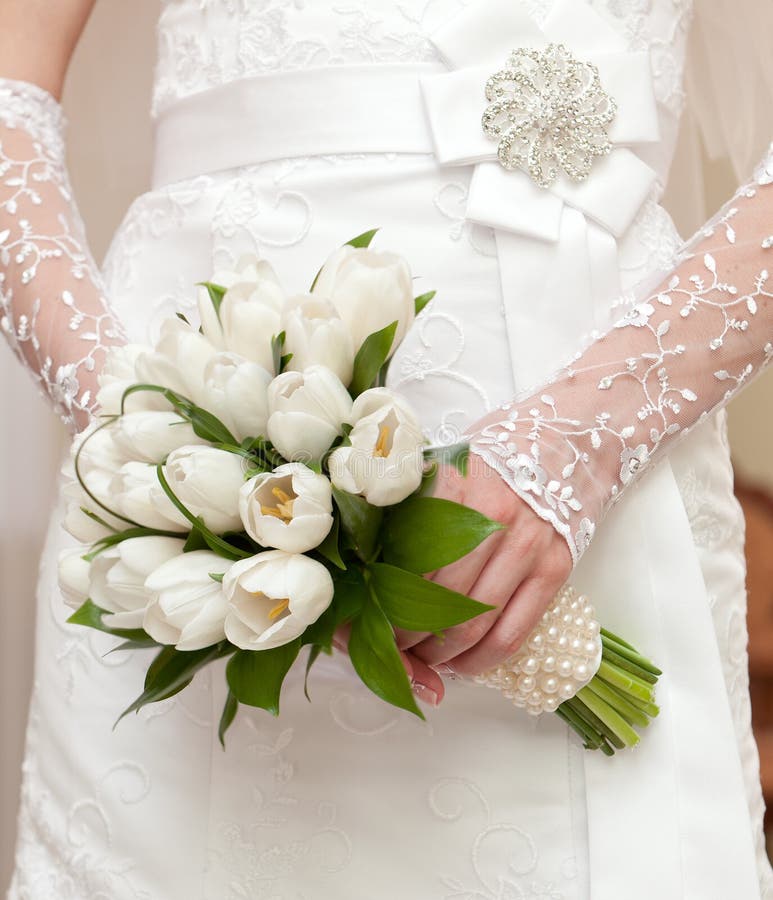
517 570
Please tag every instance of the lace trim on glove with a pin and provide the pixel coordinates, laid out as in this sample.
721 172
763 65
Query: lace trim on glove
673 359
52 307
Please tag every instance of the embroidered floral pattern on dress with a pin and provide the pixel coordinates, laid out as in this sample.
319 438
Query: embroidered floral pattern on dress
569 454
52 308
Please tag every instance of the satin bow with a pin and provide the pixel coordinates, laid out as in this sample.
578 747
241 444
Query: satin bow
557 238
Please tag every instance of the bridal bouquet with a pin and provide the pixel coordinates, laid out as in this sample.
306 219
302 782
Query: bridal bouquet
252 487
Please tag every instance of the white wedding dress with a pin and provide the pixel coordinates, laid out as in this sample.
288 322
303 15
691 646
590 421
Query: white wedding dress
345 797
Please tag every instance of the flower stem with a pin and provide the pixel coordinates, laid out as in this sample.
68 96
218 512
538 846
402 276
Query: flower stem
620 696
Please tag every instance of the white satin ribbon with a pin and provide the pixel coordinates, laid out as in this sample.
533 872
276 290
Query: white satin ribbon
475 44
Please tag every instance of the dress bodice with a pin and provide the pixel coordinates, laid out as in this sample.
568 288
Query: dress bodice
206 43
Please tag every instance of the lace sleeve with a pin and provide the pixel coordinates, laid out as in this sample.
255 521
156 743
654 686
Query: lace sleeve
52 306
571 449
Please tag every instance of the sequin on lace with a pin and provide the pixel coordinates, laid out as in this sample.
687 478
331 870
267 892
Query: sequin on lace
52 308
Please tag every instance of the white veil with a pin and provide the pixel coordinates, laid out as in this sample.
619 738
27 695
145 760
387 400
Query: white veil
729 113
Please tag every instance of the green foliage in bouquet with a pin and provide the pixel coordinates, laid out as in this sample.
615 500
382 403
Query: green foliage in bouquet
375 557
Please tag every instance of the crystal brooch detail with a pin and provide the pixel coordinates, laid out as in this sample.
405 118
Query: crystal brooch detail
549 112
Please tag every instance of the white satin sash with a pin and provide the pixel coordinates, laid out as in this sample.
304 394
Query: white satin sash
671 813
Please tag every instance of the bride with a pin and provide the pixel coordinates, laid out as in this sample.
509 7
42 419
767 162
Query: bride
284 128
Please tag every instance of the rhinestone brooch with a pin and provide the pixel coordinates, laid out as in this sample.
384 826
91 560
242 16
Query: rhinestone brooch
548 111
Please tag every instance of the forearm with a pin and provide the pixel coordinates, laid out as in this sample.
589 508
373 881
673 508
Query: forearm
52 307
37 39
571 449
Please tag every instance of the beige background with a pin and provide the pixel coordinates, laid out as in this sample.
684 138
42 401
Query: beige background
110 137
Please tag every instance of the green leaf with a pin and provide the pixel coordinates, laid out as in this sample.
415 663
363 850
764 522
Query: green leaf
350 596
421 301
216 576
118 537
171 671
456 455
216 293
277 347
255 676
329 547
364 239
370 358
195 541
139 644
90 616
314 652
422 534
360 522
216 544
206 425
230 709
376 659
416 604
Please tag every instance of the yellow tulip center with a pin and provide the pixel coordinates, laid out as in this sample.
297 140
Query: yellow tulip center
276 611
383 442
283 509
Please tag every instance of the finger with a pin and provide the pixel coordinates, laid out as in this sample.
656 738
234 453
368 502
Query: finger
407 639
519 618
510 564
426 684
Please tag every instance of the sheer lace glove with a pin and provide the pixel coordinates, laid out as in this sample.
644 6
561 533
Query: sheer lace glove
52 305
570 450
573 448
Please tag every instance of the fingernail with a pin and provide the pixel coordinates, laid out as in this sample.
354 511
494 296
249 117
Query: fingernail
427 695
445 671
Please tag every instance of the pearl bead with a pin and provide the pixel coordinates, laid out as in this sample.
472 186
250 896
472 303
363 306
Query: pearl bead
530 665
535 698
581 672
588 611
550 685
591 648
551 704
594 628
549 664
553 632
567 618
509 681
576 645
563 642
568 690
527 683
579 622
565 668
536 642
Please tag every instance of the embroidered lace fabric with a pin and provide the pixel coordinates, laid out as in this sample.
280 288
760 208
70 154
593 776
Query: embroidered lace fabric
52 306
572 449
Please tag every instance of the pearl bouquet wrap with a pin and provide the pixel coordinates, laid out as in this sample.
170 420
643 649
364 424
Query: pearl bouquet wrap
560 657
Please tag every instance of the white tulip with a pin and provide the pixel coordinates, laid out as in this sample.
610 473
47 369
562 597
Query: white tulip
207 482
316 334
249 315
78 523
136 493
306 412
187 607
74 576
119 373
178 360
236 392
248 271
273 597
118 577
99 457
385 461
151 436
290 508
370 290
